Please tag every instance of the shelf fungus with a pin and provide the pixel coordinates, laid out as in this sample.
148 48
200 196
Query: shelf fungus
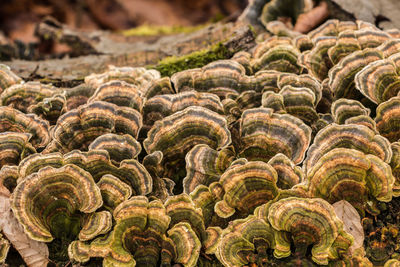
97 163
245 242
120 93
155 87
308 222
14 147
350 136
343 109
4 247
349 174
317 60
176 134
379 80
395 165
119 147
12 120
50 108
77 128
7 77
246 185
273 54
137 76
113 191
288 173
161 106
205 165
297 101
387 119
22 96
263 134
52 203
136 239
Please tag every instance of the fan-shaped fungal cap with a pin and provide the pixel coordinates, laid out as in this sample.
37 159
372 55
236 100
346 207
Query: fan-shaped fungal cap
351 175
264 134
7 77
45 202
12 120
274 9
113 191
8 179
160 86
119 147
176 134
387 116
136 239
379 80
77 128
50 108
288 173
309 222
94 224
280 57
181 208
395 164
343 109
186 242
97 163
119 93
300 102
303 80
351 136
246 186
317 60
4 247
205 165
245 241
161 106
21 96
219 77
342 76
14 147
138 76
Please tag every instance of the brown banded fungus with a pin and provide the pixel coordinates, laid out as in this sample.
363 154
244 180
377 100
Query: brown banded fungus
14 147
137 76
120 93
245 241
22 96
351 175
97 163
53 202
7 77
119 147
308 222
12 120
264 134
350 136
379 80
137 237
77 128
387 119
161 106
246 185
205 165
176 134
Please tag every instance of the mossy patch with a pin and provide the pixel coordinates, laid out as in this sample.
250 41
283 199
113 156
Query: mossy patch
171 65
153 30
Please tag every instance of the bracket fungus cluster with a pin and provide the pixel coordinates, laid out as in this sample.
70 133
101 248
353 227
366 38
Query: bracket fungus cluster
236 163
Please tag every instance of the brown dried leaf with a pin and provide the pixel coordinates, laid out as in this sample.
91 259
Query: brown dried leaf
309 20
352 222
35 254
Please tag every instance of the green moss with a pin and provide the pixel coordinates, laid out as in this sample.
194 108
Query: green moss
150 30
171 65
